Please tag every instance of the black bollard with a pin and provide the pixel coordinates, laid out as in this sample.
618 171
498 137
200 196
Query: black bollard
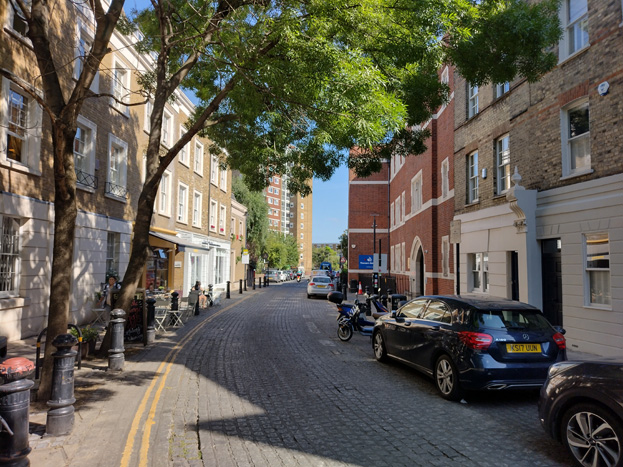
344 290
227 294
175 301
150 333
245 285
240 287
254 283
259 282
116 358
60 420
266 280
14 405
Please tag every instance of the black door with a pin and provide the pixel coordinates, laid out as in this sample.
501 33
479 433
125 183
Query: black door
514 275
551 270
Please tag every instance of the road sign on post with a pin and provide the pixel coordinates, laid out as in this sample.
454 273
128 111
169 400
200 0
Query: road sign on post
380 265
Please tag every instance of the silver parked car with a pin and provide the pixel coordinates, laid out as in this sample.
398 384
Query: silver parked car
319 285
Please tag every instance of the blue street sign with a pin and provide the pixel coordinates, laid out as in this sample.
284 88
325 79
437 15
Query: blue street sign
366 261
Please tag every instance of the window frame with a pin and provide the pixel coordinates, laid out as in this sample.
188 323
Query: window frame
567 41
164 198
198 161
416 193
502 170
567 140
197 208
472 100
214 170
166 134
479 267
589 270
10 227
31 147
223 180
149 108
13 10
502 88
472 178
445 178
84 34
182 203
213 215
116 82
445 256
185 151
89 152
221 218
121 170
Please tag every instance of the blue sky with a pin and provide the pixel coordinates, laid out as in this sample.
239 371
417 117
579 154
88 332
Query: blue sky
330 199
330 207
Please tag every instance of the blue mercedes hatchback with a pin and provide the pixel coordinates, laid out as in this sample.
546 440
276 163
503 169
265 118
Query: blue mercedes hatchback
468 342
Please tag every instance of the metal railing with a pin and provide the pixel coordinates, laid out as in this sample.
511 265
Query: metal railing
116 190
86 179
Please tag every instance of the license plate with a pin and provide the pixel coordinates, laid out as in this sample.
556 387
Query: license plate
321 286
523 348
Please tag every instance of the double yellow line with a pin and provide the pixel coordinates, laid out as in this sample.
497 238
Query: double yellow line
160 376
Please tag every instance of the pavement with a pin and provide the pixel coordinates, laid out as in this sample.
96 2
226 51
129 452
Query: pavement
101 395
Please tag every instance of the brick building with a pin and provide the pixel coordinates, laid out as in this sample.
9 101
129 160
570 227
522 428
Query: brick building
368 222
539 178
192 231
416 200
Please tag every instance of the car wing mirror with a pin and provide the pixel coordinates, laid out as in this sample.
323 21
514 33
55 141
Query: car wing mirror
394 314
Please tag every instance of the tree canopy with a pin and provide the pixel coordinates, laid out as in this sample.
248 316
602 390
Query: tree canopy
257 221
294 85
282 251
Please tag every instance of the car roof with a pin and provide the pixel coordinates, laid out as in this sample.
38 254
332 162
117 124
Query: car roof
482 302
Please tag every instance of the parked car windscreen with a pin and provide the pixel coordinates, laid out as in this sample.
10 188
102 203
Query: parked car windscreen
528 320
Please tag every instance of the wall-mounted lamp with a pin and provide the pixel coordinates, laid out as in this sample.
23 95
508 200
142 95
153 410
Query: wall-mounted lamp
353 245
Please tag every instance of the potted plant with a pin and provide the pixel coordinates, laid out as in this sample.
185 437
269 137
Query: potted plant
89 338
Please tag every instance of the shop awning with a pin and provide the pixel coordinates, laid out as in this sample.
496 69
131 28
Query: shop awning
182 244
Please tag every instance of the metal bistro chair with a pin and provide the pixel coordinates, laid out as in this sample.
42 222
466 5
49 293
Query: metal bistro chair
191 303
100 316
162 313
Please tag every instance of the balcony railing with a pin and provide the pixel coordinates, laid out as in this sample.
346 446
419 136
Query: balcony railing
116 190
86 179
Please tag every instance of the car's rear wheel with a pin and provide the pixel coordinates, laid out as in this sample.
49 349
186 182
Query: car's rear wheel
447 379
592 435
378 344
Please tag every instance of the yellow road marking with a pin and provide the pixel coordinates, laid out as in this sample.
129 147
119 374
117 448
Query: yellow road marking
168 362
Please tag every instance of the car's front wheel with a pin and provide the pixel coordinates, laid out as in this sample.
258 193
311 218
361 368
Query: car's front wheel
447 379
378 344
592 435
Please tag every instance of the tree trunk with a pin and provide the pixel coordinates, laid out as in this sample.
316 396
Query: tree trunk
139 253
65 214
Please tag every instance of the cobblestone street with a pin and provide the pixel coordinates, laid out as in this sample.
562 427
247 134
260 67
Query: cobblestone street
269 383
